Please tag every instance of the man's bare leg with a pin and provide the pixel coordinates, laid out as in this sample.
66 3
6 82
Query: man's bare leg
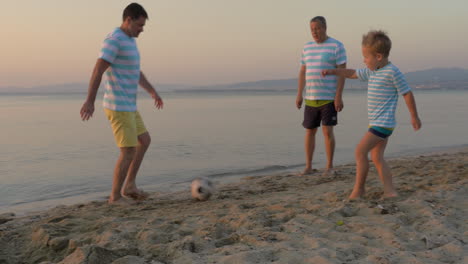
120 171
329 148
309 144
130 188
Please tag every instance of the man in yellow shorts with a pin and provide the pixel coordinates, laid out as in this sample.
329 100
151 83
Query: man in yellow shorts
120 60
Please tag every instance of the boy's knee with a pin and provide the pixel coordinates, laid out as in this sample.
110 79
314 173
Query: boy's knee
359 154
378 161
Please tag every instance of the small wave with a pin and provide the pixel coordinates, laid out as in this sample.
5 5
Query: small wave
254 171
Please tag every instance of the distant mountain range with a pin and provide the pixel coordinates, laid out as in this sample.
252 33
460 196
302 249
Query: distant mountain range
438 78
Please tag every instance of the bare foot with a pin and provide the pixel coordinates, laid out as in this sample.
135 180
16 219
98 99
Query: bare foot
390 195
121 201
356 194
307 171
329 172
136 195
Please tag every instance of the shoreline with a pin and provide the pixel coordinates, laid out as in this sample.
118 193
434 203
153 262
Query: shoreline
25 209
280 218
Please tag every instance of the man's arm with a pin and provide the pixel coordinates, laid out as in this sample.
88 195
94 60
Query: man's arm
158 102
300 86
411 104
339 90
87 109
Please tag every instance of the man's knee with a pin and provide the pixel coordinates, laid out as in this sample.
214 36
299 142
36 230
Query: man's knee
144 139
311 132
328 132
127 153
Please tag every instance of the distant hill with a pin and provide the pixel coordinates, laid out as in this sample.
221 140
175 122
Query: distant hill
456 78
438 78
439 74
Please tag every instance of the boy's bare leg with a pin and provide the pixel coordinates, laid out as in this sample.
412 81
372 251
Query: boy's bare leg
383 169
329 148
368 142
120 171
309 145
130 188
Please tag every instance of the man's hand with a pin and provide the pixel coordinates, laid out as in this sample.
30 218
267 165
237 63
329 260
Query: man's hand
299 100
158 101
87 111
416 122
339 104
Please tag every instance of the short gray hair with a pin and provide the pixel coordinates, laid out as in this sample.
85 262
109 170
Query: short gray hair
320 19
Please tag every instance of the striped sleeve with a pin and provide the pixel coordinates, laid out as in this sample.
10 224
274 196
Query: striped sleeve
399 81
302 58
340 55
110 49
363 74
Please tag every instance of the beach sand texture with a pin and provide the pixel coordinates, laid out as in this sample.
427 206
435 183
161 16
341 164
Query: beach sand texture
271 219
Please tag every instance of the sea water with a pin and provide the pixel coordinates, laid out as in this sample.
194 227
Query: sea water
49 157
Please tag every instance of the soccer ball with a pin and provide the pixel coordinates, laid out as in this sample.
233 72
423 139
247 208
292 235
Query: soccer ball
202 189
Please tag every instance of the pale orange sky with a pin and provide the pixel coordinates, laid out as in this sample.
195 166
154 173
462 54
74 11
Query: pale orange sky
214 41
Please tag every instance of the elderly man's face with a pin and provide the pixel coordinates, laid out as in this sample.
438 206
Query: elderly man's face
319 32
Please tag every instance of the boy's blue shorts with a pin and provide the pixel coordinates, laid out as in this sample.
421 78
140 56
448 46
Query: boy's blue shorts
381 132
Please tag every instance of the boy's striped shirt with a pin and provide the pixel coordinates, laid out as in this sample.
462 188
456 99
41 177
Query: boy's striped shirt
317 57
123 74
384 86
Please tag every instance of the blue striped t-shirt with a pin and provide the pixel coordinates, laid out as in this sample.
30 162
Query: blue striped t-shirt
317 57
384 86
123 75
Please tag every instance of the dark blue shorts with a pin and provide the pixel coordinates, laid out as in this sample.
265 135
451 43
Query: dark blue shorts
381 132
325 115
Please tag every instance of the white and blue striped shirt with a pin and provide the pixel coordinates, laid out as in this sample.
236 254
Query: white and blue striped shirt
384 86
317 57
123 75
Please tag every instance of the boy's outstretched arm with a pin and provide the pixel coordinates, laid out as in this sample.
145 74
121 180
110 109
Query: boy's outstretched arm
411 104
347 73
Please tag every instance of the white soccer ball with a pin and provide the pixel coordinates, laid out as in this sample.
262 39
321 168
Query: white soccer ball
202 189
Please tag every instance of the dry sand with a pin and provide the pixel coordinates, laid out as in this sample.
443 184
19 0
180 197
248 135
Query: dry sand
271 219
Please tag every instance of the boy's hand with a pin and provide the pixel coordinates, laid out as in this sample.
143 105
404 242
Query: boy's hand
327 72
416 122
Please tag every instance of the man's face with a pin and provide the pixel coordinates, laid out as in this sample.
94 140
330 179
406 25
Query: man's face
319 32
135 26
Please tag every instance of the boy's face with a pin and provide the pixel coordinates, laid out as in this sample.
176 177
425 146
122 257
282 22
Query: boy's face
371 59
319 32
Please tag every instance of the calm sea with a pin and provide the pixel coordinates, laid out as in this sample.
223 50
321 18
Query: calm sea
50 157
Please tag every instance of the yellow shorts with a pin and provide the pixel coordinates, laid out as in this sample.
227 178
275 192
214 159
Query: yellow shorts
127 126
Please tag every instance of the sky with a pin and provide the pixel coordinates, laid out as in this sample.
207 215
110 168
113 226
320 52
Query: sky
209 42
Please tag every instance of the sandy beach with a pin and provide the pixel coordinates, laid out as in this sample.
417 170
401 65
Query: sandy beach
270 219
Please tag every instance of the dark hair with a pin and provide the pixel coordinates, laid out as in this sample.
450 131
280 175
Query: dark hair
134 11
320 19
378 41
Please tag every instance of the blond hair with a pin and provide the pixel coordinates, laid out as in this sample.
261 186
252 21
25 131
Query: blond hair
378 42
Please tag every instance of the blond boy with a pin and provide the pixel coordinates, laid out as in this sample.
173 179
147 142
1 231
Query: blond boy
385 83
